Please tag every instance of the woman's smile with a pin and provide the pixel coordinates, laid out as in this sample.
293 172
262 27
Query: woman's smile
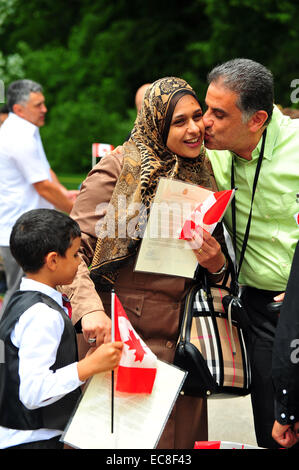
197 141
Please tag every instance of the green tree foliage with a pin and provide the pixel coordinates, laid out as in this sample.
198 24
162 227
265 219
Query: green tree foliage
92 56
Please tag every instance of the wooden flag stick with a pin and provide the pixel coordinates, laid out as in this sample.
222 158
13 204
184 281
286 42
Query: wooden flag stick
112 372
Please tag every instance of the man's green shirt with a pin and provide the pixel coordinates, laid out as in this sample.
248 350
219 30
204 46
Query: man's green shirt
274 231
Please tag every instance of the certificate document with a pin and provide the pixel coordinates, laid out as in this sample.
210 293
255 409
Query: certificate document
139 419
162 250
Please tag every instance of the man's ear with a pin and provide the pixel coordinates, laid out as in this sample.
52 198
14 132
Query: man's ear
51 260
18 109
257 121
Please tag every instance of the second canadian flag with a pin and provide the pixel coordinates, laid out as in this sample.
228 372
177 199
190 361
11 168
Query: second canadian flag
208 213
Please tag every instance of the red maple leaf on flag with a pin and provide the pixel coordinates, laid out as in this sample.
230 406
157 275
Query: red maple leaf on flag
134 343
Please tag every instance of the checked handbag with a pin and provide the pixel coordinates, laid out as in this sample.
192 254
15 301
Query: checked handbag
211 346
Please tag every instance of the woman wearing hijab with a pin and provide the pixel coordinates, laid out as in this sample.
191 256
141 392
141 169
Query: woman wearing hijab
166 141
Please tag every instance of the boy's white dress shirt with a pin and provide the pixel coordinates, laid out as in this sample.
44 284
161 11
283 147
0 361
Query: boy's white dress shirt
37 335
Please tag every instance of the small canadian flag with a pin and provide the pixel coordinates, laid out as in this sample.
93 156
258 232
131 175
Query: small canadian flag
100 150
138 364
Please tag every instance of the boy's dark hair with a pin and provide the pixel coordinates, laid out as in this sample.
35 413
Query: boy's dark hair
38 232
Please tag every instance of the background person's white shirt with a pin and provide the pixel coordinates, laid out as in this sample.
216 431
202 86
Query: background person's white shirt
37 335
22 163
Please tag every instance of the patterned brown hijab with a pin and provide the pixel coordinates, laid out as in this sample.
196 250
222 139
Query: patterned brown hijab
146 160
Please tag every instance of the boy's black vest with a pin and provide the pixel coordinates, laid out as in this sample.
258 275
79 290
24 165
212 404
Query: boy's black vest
13 414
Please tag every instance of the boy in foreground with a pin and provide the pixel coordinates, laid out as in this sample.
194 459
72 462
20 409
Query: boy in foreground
40 377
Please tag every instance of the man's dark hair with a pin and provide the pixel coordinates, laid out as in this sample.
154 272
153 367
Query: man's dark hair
251 81
38 232
19 91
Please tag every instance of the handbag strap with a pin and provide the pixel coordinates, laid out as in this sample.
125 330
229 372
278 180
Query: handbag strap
246 236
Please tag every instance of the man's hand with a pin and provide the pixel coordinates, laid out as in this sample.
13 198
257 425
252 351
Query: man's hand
54 194
96 325
72 194
284 434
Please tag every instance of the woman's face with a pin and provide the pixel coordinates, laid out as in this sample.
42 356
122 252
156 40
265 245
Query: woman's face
187 129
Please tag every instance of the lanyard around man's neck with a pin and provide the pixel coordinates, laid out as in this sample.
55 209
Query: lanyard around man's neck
246 235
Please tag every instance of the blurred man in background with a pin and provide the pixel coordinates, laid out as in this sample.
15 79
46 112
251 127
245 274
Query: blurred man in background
139 95
26 179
